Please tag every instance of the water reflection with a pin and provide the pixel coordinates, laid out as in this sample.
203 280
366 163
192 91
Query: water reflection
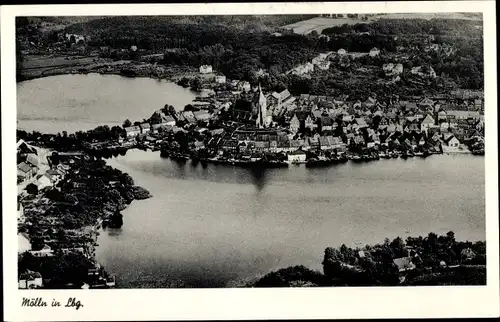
113 232
258 175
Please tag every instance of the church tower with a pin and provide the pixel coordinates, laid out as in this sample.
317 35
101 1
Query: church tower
262 109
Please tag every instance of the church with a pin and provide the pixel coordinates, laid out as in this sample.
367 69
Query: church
260 108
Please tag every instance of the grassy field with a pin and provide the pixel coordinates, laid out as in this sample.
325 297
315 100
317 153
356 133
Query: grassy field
307 26
36 62
320 23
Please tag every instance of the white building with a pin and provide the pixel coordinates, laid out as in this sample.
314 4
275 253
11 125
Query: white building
297 156
30 280
428 71
341 52
221 79
23 243
391 69
244 86
374 52
205 69
145 128
46 251
132 131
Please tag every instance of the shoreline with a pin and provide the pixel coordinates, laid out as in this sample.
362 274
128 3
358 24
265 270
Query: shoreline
102 66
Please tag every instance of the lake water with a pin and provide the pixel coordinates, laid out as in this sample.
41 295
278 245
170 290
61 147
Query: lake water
208 227
82 102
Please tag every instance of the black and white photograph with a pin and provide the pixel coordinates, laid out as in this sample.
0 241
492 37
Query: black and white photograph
250 151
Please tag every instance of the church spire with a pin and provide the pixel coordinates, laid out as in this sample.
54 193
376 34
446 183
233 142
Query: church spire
262 112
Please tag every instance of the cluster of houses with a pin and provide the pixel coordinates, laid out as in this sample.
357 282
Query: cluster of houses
320 62
30 169
167 121
312 122
443 49
27 161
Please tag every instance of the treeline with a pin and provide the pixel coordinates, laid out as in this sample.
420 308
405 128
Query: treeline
373 265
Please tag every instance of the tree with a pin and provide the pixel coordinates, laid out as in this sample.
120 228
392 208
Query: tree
196 84
127 123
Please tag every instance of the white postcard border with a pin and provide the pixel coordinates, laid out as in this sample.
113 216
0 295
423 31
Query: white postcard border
222 304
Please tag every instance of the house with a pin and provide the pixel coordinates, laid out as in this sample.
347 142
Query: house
132 131
44 180
360 122
30 279
25 171
205 69
358 139
324 143
294 124
442 115
427 122
32 159
424 71
314 142
25 148
244 86
296 156
391 128
189 116
404 264
426 103
198 145
302 69
46 251
220 79
202 115
370 102
467 254
391 69
374 52
145 128
336 142
341 52
462 115
155 128
452 141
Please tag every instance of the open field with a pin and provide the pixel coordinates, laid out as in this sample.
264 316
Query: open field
320 23
48 61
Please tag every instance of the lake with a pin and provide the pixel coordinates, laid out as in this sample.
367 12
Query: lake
210 227
82 102
207 227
